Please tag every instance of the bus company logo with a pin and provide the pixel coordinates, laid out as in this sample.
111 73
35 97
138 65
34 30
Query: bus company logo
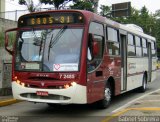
57 66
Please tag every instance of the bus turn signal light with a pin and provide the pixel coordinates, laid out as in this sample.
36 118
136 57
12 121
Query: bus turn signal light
69 85
20 83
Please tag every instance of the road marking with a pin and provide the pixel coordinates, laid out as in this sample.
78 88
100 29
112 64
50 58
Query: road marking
8 102
115 115
142 101
129 109
131 102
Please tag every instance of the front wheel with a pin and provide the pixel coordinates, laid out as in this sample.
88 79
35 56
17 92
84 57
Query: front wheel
105 102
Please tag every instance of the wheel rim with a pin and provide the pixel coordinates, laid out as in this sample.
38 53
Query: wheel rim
107 94
144 83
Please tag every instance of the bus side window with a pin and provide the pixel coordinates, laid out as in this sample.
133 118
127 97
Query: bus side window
112 42
138 46
131 45
144 47
95 45
153 47
95 51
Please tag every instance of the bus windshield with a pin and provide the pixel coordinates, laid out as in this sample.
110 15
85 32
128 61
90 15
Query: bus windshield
49 50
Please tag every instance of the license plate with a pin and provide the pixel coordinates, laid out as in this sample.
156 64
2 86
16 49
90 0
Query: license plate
42 93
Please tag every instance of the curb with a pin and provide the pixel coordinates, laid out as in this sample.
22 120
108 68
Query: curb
8 102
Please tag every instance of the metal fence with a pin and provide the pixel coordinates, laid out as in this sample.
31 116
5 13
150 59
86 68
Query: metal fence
14 15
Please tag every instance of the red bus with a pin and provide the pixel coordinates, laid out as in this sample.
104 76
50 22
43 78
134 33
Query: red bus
79 57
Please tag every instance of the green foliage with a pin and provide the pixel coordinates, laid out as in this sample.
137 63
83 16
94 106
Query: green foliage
1 39
157 28
11 36
30 5
105 10
83 5
147 21
56 3
22 2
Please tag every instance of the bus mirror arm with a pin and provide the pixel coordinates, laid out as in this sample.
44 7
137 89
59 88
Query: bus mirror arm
6 45
10 51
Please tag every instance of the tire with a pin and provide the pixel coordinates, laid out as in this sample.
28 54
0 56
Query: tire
104 103
144 84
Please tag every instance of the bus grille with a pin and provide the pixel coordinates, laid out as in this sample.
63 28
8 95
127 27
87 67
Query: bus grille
49 97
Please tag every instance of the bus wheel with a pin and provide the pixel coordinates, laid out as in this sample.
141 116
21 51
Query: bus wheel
104 103
144 84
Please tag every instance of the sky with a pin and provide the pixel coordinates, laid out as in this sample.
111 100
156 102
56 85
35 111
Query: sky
152 5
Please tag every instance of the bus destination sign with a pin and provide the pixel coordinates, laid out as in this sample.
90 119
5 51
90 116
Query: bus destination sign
51 18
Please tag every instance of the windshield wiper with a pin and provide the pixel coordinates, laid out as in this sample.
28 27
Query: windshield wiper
54 40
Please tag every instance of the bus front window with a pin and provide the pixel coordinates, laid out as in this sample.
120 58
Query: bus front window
50 50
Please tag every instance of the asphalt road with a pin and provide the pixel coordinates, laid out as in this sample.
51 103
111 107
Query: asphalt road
30 112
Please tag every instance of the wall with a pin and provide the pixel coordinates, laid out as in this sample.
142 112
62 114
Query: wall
5 60
6 24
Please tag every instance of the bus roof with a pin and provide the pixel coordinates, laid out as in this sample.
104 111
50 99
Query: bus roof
90 16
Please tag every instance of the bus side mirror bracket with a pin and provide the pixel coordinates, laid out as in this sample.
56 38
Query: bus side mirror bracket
6 45
9 50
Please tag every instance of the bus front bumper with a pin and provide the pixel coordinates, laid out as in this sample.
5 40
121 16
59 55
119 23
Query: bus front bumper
76 94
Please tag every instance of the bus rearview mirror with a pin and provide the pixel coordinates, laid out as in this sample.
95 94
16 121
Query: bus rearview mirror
10 51
10 37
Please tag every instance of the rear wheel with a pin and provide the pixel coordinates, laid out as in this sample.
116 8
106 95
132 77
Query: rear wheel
104 103
144 84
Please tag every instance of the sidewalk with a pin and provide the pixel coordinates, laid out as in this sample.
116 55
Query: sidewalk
7 100
146 109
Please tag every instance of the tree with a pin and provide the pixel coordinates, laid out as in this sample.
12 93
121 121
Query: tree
57 3
83 5
157 14
149 22
157 30
141 18
30 5
105 10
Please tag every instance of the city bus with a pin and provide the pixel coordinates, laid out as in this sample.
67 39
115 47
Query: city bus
78 57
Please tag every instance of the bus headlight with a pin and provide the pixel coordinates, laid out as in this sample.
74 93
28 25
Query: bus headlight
20 83
70 85
73 83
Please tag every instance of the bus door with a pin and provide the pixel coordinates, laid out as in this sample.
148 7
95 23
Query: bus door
123 51
149 61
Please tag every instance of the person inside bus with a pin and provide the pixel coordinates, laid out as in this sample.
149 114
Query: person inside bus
90 57
94 51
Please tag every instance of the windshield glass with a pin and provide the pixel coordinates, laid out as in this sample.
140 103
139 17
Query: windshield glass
49 50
